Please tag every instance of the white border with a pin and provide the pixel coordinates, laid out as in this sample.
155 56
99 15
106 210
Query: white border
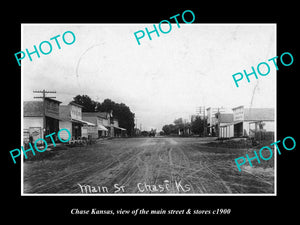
154 194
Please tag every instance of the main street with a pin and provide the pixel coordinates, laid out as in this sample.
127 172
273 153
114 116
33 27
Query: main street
146 166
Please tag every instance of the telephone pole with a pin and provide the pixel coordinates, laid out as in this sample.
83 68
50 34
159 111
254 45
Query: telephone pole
205 123
44 92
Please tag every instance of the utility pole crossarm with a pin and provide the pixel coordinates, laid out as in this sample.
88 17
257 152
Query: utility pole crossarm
44 106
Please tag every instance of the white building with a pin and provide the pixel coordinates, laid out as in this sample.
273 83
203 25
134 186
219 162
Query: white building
41 118
248 120
223 128
211 118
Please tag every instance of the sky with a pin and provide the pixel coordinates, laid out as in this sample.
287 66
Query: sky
162 79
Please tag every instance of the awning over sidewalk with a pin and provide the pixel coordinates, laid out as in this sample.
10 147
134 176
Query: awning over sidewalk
80 121
120 128
83 122
89 124
76 121
101 127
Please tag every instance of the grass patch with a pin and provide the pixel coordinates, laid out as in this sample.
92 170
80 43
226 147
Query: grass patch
248 146
40 155
48 154
230 143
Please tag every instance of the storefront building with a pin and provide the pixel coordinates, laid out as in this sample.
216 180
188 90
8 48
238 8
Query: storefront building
99 120
247 121
212 121
40 118
71 119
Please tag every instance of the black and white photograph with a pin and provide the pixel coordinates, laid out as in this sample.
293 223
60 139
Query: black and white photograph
131 109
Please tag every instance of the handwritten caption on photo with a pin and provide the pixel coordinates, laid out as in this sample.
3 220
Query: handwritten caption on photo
142 187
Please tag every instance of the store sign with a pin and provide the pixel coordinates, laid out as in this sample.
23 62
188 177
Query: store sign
51 108
238 116
76 112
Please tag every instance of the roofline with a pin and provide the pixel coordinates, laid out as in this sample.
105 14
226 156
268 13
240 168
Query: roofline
260 120
76 104
53 100
253 108
260 108
33 116
238 107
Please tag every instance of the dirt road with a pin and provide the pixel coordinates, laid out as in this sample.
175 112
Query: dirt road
143 166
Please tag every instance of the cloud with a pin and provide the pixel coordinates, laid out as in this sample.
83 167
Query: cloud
161 79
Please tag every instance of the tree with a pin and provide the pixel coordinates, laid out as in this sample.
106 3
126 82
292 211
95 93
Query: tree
197 125
84 100
120 111
106 106
166 129
179 123
169 129
161 133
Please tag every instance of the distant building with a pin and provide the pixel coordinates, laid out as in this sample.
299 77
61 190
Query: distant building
102 121
222 120
118 131
248 120
137 131
107 126
212 120
71 119
41 118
